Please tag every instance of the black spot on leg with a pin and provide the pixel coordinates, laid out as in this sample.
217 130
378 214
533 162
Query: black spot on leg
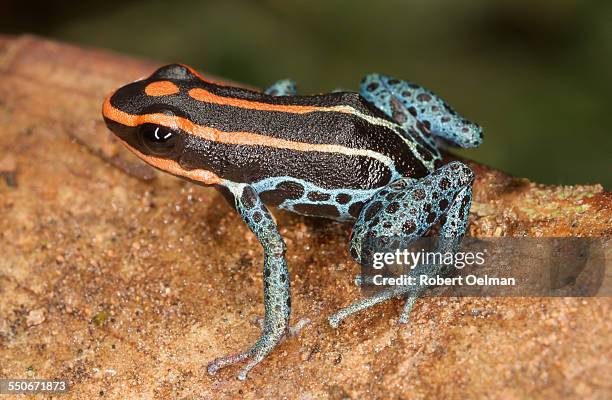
257 216
283 191
393 207
354 253
464 204
393 81
444 184
442 204
424 97
418 194
399 184
248 198
406 93
409 226
355 208
431 217
397 111
318 196
343 198
372 210
372 87
399 117
412 111
373 223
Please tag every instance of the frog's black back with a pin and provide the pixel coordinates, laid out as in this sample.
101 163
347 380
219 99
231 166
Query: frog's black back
332 140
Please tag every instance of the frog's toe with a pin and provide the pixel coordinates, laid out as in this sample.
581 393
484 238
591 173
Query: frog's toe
214 366
258 352
380 297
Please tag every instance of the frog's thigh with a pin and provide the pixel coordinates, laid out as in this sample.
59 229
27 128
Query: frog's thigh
406 210
403 101
283 87
277 301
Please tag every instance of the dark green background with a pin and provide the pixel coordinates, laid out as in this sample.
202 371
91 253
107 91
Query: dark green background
535 74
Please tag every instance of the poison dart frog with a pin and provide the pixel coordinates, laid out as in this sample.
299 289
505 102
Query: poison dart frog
369 157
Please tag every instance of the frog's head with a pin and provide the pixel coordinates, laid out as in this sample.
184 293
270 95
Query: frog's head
152 118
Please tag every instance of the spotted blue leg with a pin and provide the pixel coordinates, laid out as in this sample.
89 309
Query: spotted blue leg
408 103
407 209
283 87
277 300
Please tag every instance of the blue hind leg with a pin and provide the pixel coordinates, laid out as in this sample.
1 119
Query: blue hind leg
284 87
407 209
405 102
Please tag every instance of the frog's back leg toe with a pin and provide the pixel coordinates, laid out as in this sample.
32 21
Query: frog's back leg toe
400 99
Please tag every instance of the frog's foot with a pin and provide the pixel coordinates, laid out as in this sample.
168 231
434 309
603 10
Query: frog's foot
283 87
408 103
256 353
407 210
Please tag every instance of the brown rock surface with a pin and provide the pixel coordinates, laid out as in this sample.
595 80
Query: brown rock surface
127 287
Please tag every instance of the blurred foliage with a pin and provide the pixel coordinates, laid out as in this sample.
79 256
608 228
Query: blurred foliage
535 73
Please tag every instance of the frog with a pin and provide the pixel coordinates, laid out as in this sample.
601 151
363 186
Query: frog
370 158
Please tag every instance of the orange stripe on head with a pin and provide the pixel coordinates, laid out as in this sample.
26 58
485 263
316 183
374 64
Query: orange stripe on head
161 88
169 121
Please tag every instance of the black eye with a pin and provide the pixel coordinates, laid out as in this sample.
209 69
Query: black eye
158 139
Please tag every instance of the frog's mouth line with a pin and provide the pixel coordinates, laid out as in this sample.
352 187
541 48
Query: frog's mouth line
200 176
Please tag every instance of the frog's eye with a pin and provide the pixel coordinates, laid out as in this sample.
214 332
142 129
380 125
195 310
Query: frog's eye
158 139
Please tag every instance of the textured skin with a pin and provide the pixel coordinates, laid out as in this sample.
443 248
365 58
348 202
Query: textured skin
369 157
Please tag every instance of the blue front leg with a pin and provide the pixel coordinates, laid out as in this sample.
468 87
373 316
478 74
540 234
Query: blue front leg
277 298
283 87
406 102
407 209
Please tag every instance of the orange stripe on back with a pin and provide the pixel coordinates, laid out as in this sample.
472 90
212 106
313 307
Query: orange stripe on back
208 97
214 135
